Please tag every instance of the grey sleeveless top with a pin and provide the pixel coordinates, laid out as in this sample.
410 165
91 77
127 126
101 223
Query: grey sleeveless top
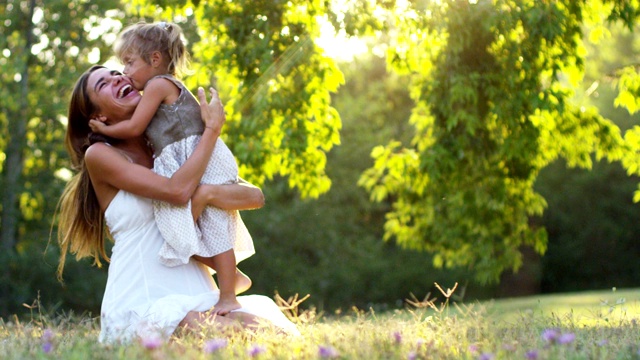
174 122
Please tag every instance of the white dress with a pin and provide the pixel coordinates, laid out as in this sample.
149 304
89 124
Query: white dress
174 133
142 296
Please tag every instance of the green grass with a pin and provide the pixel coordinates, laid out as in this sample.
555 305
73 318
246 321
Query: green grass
588 306
588 325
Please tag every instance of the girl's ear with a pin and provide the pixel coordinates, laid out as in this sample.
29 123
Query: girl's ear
156 58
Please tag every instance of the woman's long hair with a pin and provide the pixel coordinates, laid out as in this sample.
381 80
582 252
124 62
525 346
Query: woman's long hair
81 222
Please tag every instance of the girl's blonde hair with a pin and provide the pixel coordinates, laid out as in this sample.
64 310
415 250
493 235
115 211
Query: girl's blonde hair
143 39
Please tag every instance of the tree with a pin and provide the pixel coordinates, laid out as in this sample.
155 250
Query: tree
491 81
330 247
591 219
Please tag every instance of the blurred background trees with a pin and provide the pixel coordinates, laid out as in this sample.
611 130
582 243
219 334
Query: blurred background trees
492 125
44 48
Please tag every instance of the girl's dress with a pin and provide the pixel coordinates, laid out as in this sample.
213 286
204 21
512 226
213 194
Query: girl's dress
174 133
144 298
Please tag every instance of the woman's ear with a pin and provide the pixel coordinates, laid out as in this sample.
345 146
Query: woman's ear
99 117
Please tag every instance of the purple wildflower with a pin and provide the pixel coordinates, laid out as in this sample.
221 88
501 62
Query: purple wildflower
531 354
257 350
550 335
602 342
47 347
473 348
152 342
328 352
47 338
214 345
566 338
47 335
397 336
412 355
486 356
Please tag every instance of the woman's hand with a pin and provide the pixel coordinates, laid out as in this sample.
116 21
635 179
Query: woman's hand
199 200
213 112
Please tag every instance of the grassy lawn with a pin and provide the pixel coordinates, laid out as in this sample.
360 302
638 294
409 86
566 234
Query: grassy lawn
588 307
589 325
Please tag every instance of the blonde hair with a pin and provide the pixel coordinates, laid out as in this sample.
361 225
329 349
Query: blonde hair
81 228
143 39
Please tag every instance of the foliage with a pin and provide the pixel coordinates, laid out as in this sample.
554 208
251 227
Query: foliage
629 98
591 219
491 81
330 247
60 44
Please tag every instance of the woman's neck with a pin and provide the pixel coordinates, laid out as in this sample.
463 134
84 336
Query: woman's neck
138 150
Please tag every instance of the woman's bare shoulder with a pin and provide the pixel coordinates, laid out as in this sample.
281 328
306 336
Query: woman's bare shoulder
104 163
97 151
104 155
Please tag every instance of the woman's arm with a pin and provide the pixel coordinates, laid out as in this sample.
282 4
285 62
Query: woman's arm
240 196
108 168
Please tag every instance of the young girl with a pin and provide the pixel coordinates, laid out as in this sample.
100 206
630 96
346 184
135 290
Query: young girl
170 116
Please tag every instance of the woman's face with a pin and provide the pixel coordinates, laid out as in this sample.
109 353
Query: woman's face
113 94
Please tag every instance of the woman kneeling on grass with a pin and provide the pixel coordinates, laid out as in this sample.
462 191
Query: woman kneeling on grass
114 185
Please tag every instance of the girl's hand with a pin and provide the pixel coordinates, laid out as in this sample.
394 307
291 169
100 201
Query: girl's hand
212 113
97 124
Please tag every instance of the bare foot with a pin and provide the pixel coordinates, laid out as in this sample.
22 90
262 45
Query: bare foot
243 282
226 305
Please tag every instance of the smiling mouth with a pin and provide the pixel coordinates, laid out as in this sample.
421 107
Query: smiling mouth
124 91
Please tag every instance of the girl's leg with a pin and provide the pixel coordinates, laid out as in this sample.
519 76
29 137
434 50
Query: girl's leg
242 281
225 266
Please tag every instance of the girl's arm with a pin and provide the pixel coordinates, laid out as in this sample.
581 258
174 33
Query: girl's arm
155 93
240 196
109 169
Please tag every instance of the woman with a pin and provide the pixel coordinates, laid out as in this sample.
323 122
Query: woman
114 185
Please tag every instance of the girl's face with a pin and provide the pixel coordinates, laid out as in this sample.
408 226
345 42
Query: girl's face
113 94
140 71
